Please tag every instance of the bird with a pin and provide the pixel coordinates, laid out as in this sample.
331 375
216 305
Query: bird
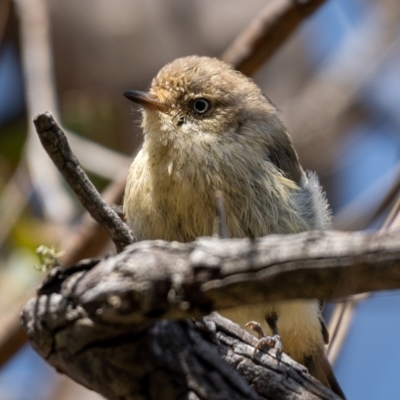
208 128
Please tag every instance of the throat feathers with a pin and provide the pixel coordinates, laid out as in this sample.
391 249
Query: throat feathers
209 128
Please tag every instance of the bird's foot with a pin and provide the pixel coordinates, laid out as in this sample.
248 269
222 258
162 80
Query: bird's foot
264 340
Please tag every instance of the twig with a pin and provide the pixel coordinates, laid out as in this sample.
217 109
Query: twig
344 312
363 210
267 32
391 221
387 200
340 325
55 143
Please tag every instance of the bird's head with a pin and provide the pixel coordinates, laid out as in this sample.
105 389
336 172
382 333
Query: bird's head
204 101
200 95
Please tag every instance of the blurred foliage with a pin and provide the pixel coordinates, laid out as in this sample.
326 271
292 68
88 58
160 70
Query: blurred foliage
12 140
94 117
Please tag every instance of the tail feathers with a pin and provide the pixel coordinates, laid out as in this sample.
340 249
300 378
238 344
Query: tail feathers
319 367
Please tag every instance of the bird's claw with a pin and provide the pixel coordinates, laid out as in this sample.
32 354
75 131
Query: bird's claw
274 341
270 341
256 327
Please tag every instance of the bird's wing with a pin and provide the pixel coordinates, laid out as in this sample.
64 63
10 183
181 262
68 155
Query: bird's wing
284 157
318 366
324 329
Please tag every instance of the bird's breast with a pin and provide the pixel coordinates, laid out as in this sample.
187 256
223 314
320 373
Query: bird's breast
172 196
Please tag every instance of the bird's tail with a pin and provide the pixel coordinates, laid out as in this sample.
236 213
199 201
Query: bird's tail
319 367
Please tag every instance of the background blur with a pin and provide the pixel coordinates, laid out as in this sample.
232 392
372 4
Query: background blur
336 81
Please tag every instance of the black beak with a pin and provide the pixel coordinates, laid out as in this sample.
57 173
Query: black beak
146 100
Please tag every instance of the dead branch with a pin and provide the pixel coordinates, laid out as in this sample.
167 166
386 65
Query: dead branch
55 143
98 321
142 358
178 280
267 32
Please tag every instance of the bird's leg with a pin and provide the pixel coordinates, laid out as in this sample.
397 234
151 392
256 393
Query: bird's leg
264 340
272 321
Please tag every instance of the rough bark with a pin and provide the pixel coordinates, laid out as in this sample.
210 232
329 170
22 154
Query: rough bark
210 358
99 321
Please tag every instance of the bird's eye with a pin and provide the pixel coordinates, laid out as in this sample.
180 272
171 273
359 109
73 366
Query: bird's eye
201 106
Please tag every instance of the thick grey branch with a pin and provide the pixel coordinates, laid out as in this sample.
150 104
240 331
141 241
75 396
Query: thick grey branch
208 359
56 144
98 321
182 279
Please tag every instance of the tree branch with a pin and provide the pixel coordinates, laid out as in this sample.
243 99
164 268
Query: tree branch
98 321
176 280
208 359
55 143
267 32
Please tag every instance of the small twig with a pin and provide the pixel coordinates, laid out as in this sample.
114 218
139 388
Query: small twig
391 220
55 143
345 311
341 323
387 200
267 32
221 225
364 210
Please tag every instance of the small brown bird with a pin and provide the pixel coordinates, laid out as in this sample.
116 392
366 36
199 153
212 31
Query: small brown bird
209 128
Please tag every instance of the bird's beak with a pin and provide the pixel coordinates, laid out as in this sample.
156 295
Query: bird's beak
146 100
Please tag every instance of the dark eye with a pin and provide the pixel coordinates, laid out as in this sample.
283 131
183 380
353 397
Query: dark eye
201 106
